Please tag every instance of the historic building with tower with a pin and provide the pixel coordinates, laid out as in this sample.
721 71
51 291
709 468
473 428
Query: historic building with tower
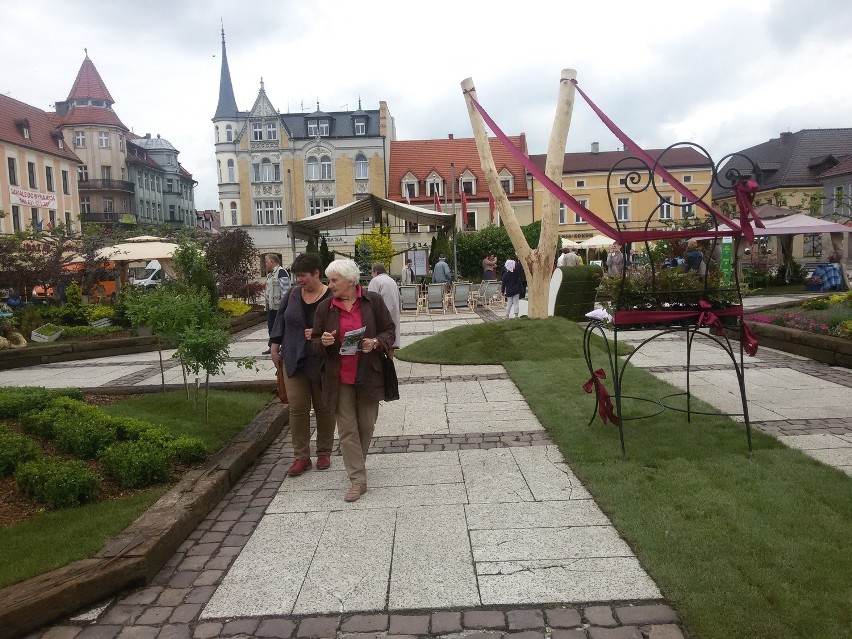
274 168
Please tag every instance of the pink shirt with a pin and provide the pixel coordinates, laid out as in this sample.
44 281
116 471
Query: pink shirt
349 321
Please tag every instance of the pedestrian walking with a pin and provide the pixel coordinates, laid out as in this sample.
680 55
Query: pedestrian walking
291 348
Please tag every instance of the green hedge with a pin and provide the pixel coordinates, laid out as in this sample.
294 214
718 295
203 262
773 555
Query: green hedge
576 295
137 464
15 450
187 449
57 483
15 402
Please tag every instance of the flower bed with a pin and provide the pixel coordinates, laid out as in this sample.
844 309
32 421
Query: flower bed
823 316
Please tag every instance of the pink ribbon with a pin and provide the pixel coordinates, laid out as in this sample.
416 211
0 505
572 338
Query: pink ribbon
744 192
605 408
705 318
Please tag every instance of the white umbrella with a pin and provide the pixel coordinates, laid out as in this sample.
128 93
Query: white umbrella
598 241
137 251
569 243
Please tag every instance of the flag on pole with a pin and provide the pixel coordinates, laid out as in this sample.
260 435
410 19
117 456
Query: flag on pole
490 208
437 201
464 210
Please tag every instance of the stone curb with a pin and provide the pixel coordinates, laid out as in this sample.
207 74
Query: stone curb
136 555
835 351
56 353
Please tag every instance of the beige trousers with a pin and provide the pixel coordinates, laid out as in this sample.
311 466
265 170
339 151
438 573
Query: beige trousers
355 423
302 393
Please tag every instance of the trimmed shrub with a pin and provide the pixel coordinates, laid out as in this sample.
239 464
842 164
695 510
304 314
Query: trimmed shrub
576 295
15 450
130 428
136 464
57 483
85 433
187 449
15 402
43 422
157 436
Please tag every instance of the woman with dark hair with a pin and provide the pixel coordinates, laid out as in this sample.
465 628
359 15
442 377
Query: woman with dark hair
352 378
291 346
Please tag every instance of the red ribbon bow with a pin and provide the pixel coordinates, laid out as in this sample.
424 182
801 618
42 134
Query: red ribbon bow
748 339
708 317
605 408
744 192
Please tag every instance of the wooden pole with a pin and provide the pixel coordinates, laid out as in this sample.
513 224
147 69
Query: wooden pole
538 262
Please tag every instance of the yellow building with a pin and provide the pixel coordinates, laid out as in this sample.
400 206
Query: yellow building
275 168
38 182
622 192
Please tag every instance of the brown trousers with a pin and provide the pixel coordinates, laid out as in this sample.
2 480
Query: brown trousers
356 420
302 393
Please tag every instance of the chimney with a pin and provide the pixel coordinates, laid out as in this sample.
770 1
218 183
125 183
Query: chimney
596 147
147 136
785 137
449 136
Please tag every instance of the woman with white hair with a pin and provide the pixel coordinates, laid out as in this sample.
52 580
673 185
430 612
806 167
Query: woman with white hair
352 384
512 287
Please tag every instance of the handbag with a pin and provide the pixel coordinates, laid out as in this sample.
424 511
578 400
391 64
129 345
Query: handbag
391 382
282 389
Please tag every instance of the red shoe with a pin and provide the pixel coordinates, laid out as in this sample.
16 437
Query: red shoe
299 466
323 462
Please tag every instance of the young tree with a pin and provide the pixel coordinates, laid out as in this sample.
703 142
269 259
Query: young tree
204 347
538 262
326 256
375 246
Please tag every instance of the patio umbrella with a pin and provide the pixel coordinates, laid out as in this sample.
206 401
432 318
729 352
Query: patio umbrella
569 243
139 250
597 241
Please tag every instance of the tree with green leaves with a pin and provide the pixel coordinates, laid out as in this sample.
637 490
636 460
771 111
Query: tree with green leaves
326 256
375 246
312 244
204 347
193 272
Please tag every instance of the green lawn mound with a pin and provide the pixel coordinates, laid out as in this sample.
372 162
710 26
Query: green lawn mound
504 341
757 548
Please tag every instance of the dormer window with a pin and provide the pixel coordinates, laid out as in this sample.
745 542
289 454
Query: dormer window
257 131
360 126
410 186
317 128
23 125
467 183
271 131
507 181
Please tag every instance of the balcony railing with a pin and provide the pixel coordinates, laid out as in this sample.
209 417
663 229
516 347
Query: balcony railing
106 185
108 218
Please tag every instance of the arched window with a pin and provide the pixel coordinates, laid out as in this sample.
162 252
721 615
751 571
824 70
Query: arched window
217 133
229 133
362 169
231 177
233 213
219 169
313 169
325 165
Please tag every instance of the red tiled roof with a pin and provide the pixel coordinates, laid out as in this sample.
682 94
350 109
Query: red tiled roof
41 126
844 168
89 85
184 172
588 162
88 115
421 157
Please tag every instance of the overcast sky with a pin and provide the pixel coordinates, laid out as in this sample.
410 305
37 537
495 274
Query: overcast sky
726 74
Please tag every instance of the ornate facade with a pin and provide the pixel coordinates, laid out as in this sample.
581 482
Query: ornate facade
274 168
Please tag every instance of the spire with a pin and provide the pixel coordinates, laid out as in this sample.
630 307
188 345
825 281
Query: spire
89 85
227 107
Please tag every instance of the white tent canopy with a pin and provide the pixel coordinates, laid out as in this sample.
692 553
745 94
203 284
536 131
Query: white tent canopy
597 241
800 223
138 251
569 243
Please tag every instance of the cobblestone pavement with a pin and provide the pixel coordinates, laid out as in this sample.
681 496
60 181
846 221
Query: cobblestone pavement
491 472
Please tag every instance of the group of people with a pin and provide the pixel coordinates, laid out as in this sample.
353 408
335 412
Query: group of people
327 369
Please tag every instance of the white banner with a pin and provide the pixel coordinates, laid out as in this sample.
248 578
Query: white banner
22 197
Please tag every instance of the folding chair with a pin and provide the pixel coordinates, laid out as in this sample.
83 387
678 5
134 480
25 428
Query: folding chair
493 296
435 298
409 296
461 296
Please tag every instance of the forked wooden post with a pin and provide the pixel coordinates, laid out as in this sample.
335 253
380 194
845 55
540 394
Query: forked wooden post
537 262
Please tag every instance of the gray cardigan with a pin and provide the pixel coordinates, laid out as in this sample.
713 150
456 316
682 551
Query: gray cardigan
289 332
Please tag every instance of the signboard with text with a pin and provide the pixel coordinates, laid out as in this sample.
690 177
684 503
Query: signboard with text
22 197
725 259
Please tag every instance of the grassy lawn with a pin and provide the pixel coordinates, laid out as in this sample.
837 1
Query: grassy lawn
781 289
756 548
54 539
